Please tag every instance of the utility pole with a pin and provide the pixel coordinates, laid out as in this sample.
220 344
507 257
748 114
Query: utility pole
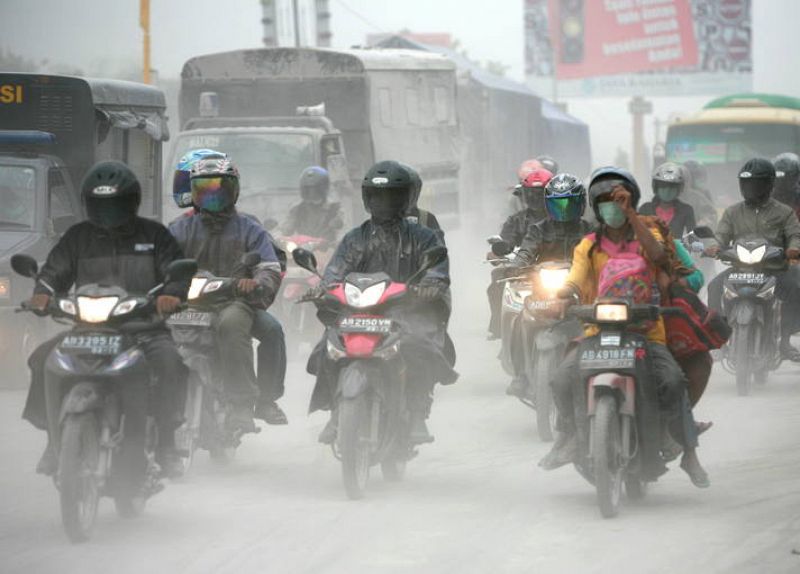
296 21
639 108
144 23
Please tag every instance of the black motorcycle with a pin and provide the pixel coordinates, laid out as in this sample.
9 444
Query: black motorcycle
103 429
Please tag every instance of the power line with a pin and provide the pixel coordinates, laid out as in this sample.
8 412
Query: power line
360 16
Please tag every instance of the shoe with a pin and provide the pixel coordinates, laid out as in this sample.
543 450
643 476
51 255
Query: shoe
703 426
419 434
789 353
564 451
48 464
697 474
670 448
170 463
328 434
271 413
517 387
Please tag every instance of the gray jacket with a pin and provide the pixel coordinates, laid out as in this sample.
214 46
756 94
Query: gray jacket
774 221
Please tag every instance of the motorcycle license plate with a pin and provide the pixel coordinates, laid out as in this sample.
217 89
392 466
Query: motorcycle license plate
365 325
748 278
189 318
608 358
92 343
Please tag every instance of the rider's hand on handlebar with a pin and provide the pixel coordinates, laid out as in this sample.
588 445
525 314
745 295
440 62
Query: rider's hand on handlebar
167 304
246 286
712 251
793 253
39 302
430 290
316 292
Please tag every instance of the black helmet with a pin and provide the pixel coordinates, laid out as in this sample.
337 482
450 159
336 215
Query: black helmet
111 194
787 172
756 180
696 173
548 163
386 190
565 198
314 184
604 179
416 184
669 180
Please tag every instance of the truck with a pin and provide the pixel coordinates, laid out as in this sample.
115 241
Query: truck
52 130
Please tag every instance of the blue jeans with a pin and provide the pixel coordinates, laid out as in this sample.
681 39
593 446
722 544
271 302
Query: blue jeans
271 356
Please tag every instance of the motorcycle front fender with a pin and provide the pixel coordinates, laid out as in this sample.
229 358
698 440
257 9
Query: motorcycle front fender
745 312
354 380
82 397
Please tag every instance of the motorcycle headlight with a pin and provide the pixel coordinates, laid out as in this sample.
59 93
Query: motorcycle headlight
125 307
611 312
366 298
553 279
197 287
754 256
68 306
96 309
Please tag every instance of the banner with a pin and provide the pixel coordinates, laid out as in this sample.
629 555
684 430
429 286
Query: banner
638 47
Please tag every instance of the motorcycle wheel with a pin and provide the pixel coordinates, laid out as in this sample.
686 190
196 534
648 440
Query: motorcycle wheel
77 475
353 445
187 436
635 488
545 411
606 455
743 358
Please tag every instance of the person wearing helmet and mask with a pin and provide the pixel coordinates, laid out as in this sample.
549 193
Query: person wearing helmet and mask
414 213
669 181
548 163
697 194
218 236
271 351
552 239
622 232
762 215
388 242
114 247
314 215
531 191
787 180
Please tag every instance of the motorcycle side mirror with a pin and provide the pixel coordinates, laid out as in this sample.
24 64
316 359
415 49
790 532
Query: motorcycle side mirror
501 248
270 223
703 232
181 270
492 239
305 259
25 265
251 259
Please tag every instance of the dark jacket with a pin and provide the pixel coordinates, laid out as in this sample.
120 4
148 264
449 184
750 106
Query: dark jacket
774 221
219 242
550 240
682 222
425 219
135 259
516 226
314 220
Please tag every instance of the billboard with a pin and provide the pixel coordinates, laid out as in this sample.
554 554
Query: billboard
638 47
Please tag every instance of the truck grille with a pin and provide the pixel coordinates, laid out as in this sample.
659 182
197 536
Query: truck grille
55 113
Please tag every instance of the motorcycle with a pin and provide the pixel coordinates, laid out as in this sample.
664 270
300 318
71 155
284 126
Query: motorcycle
206 408
364 340
620 448
106 435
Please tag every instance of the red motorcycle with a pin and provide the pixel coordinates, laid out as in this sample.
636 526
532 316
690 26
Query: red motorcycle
363 339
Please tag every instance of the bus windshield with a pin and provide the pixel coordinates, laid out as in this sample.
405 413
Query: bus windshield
17 197
730 143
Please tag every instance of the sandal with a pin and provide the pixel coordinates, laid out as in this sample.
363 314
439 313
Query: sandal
703 427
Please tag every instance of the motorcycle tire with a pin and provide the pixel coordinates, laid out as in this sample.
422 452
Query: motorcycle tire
79 490
353 445
744 353
545 410
606 456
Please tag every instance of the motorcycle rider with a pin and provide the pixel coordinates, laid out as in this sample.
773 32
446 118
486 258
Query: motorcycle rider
388 242
314 215
697 194
760 214
669 182
271 352
113 247
414 213
614 195
552 239
218 236
513 232
548 163
787 180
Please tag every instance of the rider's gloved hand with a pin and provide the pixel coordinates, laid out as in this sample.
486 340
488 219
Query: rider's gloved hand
39 302
316 292
430 290
166 304
712 251
792 253
246 286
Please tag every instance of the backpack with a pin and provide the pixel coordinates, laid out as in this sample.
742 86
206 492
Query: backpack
698 329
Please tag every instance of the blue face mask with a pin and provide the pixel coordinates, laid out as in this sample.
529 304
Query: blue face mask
667 194
612 214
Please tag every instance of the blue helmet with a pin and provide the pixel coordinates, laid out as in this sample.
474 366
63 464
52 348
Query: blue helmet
181 188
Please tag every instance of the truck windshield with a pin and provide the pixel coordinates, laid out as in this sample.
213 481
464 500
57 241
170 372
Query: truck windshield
265 160
730 143
17 197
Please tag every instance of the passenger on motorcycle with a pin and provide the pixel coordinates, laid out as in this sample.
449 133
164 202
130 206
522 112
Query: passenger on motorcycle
414 213
389 243
759 214
314 215
787 180
114 247
271 353
217 236
622 234
552 239
513 232
669 181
